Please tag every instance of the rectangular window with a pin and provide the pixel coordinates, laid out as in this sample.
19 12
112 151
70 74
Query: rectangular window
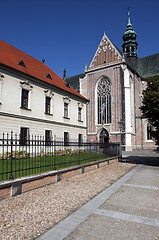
65 110
79 114
24 98
24 135
48 137
47 105
66 139
80 139
149 131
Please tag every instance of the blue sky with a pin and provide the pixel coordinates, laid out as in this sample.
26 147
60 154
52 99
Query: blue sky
66 33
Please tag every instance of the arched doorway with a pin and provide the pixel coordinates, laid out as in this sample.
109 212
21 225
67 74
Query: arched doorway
104 136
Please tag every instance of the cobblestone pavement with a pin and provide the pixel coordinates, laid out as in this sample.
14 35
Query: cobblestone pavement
128 209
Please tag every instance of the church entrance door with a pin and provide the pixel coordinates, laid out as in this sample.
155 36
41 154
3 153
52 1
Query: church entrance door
104 136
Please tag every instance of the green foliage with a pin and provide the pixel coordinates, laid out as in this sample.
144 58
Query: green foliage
150 108
15 155
68 151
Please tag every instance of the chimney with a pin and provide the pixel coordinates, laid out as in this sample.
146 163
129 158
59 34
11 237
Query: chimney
64 73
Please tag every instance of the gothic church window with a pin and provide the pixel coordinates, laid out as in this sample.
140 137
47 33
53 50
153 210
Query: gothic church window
104 101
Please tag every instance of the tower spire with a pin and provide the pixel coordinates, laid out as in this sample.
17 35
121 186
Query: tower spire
129 38
129 16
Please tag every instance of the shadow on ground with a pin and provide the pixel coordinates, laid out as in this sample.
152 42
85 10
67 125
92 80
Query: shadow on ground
146 157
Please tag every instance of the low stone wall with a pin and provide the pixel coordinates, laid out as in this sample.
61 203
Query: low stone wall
12 188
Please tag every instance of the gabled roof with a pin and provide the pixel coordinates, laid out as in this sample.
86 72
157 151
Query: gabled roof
11 57
106 52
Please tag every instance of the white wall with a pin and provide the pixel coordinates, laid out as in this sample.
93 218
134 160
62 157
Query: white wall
12 116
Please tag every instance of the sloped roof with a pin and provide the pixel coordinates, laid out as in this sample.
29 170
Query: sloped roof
146 66
74 81
22 62
149 66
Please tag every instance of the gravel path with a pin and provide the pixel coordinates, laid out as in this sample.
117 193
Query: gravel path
28 215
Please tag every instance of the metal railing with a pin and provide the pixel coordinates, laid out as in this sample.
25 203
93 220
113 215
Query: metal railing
23 157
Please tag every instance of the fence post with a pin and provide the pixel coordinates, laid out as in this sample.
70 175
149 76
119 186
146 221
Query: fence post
79 162
54 142
11 157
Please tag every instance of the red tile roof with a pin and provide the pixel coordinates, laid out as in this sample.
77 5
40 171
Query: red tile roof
13 57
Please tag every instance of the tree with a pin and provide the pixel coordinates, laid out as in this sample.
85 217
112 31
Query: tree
150 108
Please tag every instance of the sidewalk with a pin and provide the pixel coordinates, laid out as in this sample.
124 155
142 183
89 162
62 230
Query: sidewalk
128 209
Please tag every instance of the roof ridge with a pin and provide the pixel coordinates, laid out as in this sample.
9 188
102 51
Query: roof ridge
149 55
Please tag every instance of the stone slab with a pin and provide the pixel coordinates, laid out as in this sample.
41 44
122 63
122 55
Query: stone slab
145 179
83 212
132 200
149 170
104 228
127 217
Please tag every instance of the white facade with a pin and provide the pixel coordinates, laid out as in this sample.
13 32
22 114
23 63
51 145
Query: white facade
13 116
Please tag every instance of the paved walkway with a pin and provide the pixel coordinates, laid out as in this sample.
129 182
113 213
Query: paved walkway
147 157
128 209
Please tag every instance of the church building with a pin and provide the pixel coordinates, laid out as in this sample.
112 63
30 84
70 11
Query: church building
113 83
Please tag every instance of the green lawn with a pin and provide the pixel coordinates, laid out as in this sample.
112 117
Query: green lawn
29 166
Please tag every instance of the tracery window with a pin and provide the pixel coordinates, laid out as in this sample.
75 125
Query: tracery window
104 101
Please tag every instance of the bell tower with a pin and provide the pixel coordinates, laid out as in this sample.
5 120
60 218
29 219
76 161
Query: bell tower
130 46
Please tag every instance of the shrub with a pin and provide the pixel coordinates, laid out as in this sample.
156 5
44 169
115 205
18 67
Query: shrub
15 155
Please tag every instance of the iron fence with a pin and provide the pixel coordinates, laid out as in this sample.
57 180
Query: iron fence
34 154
